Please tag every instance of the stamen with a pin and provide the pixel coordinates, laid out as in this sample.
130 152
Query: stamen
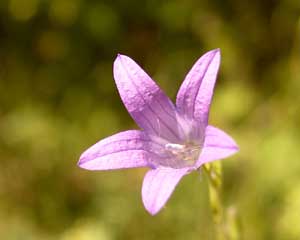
188 152
174 147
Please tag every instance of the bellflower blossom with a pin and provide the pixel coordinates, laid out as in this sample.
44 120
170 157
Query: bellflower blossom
174 140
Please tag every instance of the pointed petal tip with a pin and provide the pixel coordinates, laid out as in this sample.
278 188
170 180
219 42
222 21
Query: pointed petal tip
234 146
81 162
152 212
118 57
150 209
117 62
236 149
84 161
216 52
213 53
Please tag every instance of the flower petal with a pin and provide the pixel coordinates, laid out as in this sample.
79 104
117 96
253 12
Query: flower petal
152 110
127 149
217 145
158 186
194 96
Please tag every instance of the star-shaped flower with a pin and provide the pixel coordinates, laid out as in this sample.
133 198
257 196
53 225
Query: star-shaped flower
174 140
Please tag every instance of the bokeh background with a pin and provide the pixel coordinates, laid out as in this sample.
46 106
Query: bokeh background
57 97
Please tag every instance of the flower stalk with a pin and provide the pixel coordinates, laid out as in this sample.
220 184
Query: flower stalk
214 174
226 220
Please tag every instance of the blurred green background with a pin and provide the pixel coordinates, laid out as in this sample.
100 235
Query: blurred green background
57 97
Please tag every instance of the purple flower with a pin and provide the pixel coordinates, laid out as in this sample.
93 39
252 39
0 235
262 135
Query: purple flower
174 140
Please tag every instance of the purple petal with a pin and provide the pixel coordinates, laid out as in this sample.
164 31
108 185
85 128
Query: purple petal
158 186
194 96
217 145
145 101
127 149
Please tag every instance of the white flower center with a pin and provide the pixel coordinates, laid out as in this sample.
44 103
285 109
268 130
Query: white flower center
188 152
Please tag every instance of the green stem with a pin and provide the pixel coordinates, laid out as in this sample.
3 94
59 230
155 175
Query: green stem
226 222
214 173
